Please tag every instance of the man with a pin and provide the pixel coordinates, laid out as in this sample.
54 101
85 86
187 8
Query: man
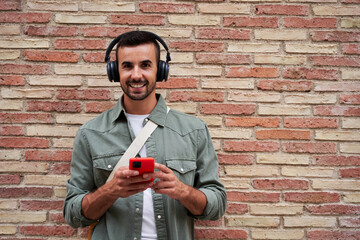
187 186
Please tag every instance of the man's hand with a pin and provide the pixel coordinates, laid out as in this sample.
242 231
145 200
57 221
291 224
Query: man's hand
193 199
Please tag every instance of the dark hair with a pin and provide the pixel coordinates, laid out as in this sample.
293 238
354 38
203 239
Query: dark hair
135 38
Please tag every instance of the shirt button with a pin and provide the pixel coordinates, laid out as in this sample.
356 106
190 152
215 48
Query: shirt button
159 217
135 238
182 169
137 209
109 166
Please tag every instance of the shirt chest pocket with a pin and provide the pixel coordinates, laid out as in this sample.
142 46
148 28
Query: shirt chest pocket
183 169
102 168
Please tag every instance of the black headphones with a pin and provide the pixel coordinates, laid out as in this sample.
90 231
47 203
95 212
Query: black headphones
112 66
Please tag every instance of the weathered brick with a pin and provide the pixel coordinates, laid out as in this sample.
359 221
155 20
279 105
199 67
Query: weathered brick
311 48
48 155
282 9
350 123
10 30
108 6
38 205
55 81
311 197
344 185
261 209
227 83
253 196
282 134
310 123
334 209
79 19
20 217
253 97
236 208
98 107
310 73
215 58
21 17
335 61
53 106
194 20
153 7
337 135
337 111
285 35
282 158
336 10
60 169
265 22
235 159
53 130
52 6
178 83
279 59
256 72
58 31
216 33
307 172
224 8
231 109
335 36
8 229
331 160
79 44
9 179
254 47
283 110
25 118
9 54
352 197
314 222
350 173
350 148
251 146
86 94
350 22
252 221
27 93
24 167
252 122
196 46
250 171
73 118
332 234
10 5
350 98
298 147
10 154
25 69
298 22
64 231
280 184
351 48
284 85
24 142
11 130
220 234
46 180
50 56
283 234
196 96
25 192
311 99
350 222
104 32
157 20
79 69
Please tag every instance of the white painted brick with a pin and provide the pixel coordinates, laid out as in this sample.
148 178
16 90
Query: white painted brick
232 133
27 93
276 34
352 197
345 185
279 59
63 142
170 33
311 48
24 43
193 20
228 83
24 167
284 110
252 221
251 171
262 209
10 30
318 172
54 131
282 158
80 19
327 10
11 105
9 54
224 8
350 123
10 154
195 71
74 118
236 183
310 99
80 69
350 148
46 180
313 222
53 5
350 74
253 97
337 135
283 234
108 6
18 217
67 81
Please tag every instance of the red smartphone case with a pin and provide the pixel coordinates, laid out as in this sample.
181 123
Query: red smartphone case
143 165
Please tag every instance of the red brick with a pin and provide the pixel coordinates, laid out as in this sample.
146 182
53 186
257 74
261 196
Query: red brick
60 168
50 56
335 61
283 85
17 17
25 69
98 107
337 111
38 205
332 160
312 197
48 155
189 46
219 58
277 9
10 179
334 209
216 33
235 159
152 7
335 36
56 31
95 57
231 109
54 106
265 22
351 48
256 72
86 94
310 73
252 122
236 208
220 234
350 173
208 223
333 235
297 22
196 96
64 231
26 118
309 147
253 197
133 19
104 31
56 217
283 134
280 184
24 142
79 44
310 123
251 146
351 222
173 83
26 192
10 5
12 80
350 98
12 130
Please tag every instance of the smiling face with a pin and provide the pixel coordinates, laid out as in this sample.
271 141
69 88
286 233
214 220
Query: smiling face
137 70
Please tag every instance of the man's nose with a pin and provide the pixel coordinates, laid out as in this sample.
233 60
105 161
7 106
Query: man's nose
136 73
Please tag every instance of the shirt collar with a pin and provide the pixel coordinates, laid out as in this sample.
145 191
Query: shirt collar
158 114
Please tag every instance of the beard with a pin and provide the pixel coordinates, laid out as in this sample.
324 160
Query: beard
131 90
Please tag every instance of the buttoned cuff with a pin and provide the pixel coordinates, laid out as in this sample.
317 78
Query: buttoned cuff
78 219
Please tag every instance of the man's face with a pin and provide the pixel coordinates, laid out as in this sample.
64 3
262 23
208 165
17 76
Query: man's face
137 70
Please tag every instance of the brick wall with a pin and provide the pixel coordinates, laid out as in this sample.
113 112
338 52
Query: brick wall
276 81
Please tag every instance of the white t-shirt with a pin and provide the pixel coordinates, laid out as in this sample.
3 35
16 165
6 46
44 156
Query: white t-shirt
148 230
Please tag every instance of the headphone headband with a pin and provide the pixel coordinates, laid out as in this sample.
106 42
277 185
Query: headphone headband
117 39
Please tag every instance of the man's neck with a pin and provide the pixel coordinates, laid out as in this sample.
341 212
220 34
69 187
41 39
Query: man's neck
140 107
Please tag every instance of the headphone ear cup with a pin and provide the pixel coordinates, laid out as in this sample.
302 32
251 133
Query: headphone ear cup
113 72
162 72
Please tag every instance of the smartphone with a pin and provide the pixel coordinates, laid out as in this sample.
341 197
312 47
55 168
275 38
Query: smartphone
143 165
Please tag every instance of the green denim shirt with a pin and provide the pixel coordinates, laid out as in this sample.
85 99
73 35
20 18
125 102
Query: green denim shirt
181 142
